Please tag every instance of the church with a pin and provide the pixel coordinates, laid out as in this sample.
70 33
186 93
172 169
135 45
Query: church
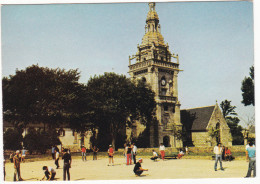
156 65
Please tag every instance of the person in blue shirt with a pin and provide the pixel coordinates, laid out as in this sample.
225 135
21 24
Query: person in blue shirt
250 155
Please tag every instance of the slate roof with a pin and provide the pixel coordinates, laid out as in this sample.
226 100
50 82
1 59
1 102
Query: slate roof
196 119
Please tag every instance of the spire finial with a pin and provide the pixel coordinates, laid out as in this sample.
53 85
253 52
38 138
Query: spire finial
152 6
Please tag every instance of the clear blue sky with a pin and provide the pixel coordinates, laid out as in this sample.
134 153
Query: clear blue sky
214 41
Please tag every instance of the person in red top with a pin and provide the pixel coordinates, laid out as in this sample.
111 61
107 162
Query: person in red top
110 152
228 154
83 152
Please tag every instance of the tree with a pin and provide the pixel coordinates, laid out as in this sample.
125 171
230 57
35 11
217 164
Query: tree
13 139
248 86
116 102
232 120
41 95
40 141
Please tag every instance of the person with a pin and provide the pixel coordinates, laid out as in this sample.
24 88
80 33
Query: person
23 154
67 164
223 152
228 155
155 156
181 154
11 157
49 173
95 151
162 151
218 151
128 155
53 152
83 153
125 152
187 150
110 152
250 156
134 152
138 170
17 171
57 156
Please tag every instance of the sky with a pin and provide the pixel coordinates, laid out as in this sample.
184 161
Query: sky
214 41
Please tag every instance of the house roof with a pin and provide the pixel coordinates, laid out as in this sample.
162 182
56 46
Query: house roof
196 118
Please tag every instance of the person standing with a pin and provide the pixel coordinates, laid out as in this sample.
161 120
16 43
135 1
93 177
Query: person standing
95 151
17 171
23 154
187 150
250 156
83 153
218 151
57 157
49 173
67 164
138 170
134 152
53 152
128 155
110 152
162 151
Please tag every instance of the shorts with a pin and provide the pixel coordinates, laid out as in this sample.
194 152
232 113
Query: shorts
110 156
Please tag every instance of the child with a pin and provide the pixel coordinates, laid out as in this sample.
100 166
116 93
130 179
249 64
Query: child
155 156
110 152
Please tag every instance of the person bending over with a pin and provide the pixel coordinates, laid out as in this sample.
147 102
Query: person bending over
138 170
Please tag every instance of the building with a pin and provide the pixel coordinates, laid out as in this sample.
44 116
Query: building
205 126
157 66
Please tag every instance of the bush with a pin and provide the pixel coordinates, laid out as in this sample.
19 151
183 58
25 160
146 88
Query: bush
40 141
13 139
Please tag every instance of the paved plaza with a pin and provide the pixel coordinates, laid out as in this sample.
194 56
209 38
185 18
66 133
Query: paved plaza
98 169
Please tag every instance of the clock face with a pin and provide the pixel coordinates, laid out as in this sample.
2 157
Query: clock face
163 82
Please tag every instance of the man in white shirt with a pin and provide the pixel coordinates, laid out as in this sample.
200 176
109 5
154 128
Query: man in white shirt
49 173
218 151
134 152
162 150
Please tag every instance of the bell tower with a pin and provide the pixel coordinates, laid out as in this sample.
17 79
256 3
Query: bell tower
159 68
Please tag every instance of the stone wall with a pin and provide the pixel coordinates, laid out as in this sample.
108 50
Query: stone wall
200 139
202 149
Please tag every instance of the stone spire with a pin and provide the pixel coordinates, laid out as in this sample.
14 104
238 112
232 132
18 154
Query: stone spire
152 28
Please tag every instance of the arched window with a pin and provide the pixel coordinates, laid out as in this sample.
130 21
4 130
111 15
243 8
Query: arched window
166 141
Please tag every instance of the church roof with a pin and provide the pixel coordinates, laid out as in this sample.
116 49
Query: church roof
196 119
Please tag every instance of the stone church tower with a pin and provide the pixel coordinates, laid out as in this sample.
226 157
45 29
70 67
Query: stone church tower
158 67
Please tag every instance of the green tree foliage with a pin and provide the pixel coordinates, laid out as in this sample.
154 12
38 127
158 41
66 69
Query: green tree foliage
248 86
41 95
117 102
232 120
13 139
40 141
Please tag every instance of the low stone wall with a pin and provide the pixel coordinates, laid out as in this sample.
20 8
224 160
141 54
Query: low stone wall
237 148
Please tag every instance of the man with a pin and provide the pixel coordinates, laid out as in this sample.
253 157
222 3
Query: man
49 173
134 152
155 156
83 153
57 156
23 154
228 154
110 152
67 164
138 170
17 171
250 155
53 152
218 151
162 150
